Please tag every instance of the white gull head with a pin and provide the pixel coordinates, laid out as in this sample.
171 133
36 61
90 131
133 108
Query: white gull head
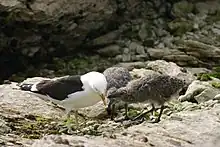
94 85
97 82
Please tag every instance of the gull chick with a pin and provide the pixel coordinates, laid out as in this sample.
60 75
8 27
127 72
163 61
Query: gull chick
156 90
116 77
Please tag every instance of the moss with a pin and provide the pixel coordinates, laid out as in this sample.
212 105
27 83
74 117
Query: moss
216 84
132 113
216 69
207 76
66 66
215 74
203 77
34 127
213 18
80 64
179 27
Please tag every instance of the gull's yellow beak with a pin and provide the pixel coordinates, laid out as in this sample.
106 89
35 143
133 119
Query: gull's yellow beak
104 99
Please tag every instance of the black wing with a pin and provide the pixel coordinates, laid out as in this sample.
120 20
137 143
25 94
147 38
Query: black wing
60 88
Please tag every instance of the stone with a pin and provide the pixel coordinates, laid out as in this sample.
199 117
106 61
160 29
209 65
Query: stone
203 50
110 51
132 65
190 124
4 129
182 8
216 31
125 51
126 57
106 39
140 50
201 91
143 33
197 70
141 72
142 57
160 53
180 27
118 58
137 48
208 7
178 128
171 69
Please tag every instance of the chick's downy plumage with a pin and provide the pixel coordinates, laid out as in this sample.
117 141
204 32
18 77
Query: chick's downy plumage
116 77
156 90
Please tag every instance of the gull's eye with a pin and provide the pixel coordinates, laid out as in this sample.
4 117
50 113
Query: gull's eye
96 90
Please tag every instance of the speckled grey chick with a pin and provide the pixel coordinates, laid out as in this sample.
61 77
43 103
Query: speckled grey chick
116 77
155 90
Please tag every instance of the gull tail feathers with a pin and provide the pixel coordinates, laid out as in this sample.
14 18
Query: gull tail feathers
28 87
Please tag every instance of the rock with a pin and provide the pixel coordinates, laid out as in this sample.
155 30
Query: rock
216 31
147 33
182 8
178 27
132 65
95 111
106 39
160 53
201 91
142 57
52 28
23 102
202 50
198 70
135 47
182 60
180 128
208 7
125 50
138 73
143 33
126 57
81 141
171 69
110 51
118 58
181 132
4 129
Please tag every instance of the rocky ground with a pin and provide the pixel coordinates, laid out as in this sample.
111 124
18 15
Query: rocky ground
191 120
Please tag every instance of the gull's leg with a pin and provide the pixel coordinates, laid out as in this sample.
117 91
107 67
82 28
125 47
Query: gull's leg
144 113
68 123
160 114
76 118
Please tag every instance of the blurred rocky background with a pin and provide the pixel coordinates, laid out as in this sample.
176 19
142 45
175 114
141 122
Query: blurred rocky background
59 37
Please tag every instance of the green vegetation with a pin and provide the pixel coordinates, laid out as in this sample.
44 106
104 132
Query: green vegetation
204 77
65 66
216 84
132 113
207 76
35 127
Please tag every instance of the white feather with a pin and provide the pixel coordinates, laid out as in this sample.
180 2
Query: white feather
34 87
